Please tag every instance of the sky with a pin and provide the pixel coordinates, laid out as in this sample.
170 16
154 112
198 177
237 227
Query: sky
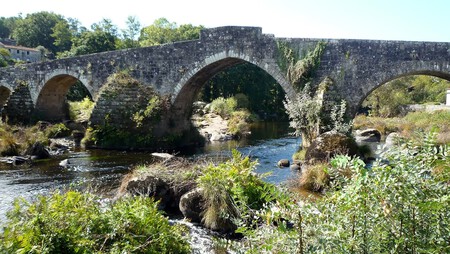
412 20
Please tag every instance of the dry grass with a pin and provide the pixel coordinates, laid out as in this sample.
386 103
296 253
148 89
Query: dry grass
409 125
14 140
315 177
178 172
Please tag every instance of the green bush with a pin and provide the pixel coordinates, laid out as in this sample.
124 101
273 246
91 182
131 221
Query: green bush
232 190
81 110
239 122
299 155
9 145
77 223
58 130
224 107
389 100
397 208
14 140
409 124
242 101
315 177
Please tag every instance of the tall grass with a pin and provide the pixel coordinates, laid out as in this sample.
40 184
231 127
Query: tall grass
14 140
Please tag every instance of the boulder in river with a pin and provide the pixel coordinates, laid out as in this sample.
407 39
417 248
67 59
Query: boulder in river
38 151
283 163
191 205
368 135
327 145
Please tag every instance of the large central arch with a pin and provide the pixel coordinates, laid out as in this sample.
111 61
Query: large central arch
191 84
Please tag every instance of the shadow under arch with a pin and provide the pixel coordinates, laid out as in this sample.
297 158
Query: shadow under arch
438 74
187 92
51 104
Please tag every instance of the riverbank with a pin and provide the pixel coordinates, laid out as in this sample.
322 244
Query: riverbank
409 125
360 199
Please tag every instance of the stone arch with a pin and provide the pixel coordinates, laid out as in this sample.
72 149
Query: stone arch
193 81
51 104
383 79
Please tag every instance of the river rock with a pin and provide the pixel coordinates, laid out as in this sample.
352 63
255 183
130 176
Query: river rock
165 156
191 205
198 107
153 187
391 140
327 145
38 151
220 137
283 163
15 160
64 163
295 167
368 135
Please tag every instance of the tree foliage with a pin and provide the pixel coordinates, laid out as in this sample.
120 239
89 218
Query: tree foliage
265 95
390 99
130 34
37 29
162 31
4 57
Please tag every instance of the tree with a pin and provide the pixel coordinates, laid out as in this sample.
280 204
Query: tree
37 29
130 34
4 57
94 42
7 26
105 25
62 35
103 37
4 30
304 112
162 31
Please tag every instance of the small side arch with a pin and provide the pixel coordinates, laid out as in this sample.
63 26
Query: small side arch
51 104
380 82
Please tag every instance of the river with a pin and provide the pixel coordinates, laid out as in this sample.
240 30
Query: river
102 170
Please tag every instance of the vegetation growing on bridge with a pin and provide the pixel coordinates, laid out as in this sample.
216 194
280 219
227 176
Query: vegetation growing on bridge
299 71
125 114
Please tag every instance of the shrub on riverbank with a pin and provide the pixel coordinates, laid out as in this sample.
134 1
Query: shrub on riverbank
399 207
232 191
408 125
78 223
239 122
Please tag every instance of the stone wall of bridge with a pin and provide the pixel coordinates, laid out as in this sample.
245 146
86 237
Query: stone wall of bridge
179 70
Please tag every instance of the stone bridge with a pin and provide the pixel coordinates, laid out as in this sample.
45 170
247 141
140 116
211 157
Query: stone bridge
179 70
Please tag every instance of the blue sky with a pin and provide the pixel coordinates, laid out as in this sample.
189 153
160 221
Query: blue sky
417 20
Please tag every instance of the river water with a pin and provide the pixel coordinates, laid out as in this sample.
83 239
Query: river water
102 171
